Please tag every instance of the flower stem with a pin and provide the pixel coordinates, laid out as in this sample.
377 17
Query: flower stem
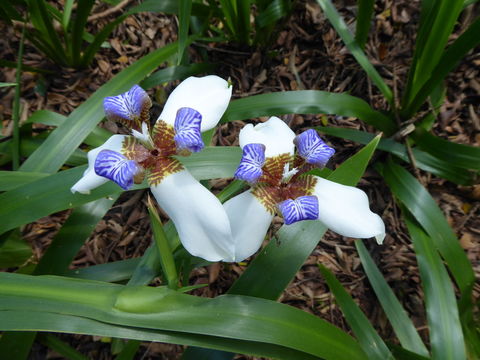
166 257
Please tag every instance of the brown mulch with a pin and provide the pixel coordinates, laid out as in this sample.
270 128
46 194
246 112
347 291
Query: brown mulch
307 54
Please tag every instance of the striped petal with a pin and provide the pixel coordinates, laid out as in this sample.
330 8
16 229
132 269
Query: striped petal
116 167
345 210
274 134
249 221
90 180
209 95
187 130
253 158
130 108
301 208
313 149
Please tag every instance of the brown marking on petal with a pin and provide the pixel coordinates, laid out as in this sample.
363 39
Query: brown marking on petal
273 169
145 112
268 196
271 196
134 150
163 167
304 185
163 138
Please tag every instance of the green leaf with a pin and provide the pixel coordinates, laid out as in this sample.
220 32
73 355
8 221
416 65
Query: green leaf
116 271
436 26
14 251
370 341
16 344
53 153
422 206
448 61
423 160
41 321
446 337
307 102
364 19
249 319
4 84
184 13
96 138
401 323
463 156
61 347
75 38
357 52
10 180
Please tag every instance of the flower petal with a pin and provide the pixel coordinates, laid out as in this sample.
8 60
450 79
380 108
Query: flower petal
90 180
209 95
249 221
187 130
345 210
199 217
253 158
130 108
116 167
274 134
301 208
313 149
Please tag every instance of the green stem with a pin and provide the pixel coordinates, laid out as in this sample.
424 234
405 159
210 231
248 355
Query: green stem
166 256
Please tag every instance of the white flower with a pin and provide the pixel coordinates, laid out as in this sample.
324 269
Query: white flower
268 151
196 105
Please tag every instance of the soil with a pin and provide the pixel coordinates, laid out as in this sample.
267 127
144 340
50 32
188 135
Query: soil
306 54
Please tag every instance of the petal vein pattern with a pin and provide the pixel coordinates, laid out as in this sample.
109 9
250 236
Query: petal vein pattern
187 130
130 108
313 149
301 208
253 158
116 167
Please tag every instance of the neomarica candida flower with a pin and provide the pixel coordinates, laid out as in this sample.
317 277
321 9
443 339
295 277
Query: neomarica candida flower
280 185
196 105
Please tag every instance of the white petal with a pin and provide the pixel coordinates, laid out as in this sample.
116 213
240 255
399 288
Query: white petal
199 217
90 180
249 221
345 210
209 95
274 134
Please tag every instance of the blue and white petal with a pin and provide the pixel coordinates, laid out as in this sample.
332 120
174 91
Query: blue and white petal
129 106
345 210
209 95
198 215
249 221
187 130
313 149
90 180
301 208
253 159
116 167
274 134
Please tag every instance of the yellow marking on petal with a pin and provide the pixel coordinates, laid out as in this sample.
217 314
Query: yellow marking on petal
269 196
163 137
134 150
163 167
